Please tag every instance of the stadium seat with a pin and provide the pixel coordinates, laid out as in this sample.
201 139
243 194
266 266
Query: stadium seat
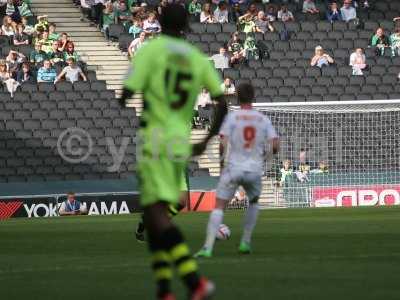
115 31
292 27
46 87
99 85
296 72
291 81
198 27
125 39
64 86
229 27
340 26
308 26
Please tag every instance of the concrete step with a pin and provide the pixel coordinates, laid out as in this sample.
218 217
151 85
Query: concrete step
55 11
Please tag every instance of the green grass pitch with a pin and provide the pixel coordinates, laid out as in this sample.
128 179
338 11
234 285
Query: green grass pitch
298 254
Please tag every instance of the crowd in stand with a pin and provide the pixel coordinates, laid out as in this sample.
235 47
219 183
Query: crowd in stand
35 51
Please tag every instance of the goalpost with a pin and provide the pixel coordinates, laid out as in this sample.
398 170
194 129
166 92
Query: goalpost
336 154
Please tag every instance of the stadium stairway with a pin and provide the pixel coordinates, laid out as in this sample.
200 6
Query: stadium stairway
106 60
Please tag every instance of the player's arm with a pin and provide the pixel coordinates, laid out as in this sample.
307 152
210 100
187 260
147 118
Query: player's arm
137 76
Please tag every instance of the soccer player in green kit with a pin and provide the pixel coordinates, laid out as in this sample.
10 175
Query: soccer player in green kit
170 73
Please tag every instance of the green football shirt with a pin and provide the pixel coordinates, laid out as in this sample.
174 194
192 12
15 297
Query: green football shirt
170 73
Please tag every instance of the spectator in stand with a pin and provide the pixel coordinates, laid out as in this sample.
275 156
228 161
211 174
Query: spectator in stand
136 28
141 11
37 56
235 13
97 12
358 61
20 38
18 9
108 19
271 14
26 74
123 15
86 10
28 29
395 41
235 44
285 172
72 72
136 44
4 74
323 168
70 52
8 27
348 11
63 41
333 13
45 41
14 60
6 78
203 99
247 23
321 59
55 56
221 60
380 41
43 24
263 24
235 47
221 13
3 6
285 15
228 87
194 8
206 15
163 3
309 7
250 46
46 73
53 34
396 21
151 25
253 11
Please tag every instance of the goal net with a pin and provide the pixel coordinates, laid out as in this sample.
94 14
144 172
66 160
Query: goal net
334 154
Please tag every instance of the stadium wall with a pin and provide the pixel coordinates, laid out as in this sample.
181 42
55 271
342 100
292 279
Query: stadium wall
102 197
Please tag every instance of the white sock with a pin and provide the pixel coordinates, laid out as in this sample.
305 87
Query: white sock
250 221
214 222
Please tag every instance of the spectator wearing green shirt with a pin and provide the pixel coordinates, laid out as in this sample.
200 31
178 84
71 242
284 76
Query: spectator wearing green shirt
55 56
123 15
380 41
108 19
70 52
45 41
53 35
194 9
28 29
37 56
395 41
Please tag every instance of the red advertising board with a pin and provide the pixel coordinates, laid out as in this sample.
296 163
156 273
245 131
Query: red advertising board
368 195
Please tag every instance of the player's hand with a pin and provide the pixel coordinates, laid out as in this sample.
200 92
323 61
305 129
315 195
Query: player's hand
199 148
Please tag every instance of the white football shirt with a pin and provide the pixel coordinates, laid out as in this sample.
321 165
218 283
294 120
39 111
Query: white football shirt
247 131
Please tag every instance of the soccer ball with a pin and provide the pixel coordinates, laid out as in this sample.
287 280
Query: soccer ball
223 232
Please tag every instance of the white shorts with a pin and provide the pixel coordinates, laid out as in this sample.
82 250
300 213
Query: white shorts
231 179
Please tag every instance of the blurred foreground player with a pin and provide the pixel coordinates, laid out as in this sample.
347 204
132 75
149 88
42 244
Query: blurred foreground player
245 134
170 73
173 209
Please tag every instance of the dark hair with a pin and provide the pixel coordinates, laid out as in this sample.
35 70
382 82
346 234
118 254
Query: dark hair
245 93
174 19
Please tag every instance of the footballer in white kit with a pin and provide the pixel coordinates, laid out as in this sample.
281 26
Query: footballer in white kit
245 135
